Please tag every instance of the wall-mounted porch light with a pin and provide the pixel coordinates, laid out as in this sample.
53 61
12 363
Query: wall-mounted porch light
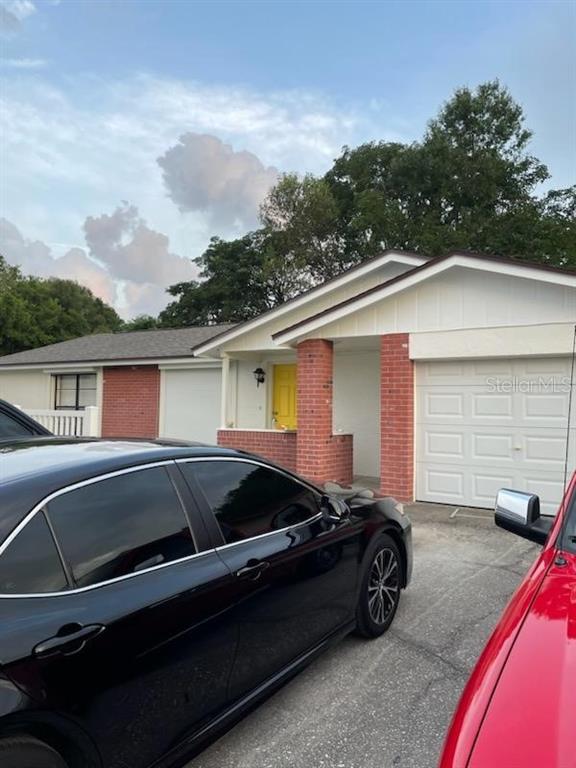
260 376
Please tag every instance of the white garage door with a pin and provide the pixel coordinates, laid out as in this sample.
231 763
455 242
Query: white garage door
485 425
191 404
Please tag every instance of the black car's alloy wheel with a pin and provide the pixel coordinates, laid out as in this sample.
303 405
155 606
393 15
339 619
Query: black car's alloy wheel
380 590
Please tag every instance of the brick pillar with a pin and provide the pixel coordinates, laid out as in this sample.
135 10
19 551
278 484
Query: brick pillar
314 390
396 418
321 456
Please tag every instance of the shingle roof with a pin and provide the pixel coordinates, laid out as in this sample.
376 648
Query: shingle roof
132 345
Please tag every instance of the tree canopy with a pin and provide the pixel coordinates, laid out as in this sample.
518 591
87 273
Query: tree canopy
38 311
470 184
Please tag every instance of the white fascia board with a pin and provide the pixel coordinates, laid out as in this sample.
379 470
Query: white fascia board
409 280
52 369
90 367
411 260
191 365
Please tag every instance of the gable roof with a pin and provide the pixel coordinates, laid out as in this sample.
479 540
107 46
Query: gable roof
410 258
487 262
108 347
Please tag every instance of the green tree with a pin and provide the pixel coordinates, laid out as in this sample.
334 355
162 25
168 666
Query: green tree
463 186
141 323
471 183
239 279
36 312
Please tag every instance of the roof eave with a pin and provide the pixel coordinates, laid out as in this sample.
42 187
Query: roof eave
367 266
466 259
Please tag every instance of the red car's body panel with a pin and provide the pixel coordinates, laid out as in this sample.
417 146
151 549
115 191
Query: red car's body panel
518 709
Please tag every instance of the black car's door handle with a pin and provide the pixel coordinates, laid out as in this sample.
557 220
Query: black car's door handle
253 569
72 640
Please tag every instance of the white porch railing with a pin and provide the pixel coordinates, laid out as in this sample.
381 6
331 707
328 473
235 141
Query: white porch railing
64 423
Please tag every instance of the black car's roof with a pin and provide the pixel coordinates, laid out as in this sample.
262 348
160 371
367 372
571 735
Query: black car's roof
31 469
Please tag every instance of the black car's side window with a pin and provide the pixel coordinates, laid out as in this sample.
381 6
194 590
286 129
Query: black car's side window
249 500
30 563
121 525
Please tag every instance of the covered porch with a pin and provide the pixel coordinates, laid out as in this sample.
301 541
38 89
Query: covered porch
319 409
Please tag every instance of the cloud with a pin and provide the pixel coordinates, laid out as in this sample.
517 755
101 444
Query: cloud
132 251
127 264
75 148
201 173
65 153
23 63
12 13
35 258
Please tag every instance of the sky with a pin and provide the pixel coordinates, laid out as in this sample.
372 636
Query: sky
133 131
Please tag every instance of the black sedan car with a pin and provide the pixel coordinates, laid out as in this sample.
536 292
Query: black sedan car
152 592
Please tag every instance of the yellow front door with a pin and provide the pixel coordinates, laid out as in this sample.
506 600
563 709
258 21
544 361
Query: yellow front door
284 397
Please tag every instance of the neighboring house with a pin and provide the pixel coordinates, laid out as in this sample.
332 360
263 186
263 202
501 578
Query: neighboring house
445 378
142 383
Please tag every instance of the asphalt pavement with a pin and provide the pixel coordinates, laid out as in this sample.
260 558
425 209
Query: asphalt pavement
387 703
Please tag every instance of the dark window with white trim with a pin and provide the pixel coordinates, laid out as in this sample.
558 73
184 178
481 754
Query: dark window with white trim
75 390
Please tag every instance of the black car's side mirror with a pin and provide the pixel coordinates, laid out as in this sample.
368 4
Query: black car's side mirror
519 513
334 509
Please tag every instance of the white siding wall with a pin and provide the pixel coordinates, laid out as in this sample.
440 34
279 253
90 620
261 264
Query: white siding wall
251 402
460 298
28 389
357 407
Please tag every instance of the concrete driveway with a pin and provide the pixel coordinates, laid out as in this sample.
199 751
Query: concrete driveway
387 703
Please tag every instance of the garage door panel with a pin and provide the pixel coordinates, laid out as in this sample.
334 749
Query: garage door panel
491 405
489 424
545 408
440 445
486 486
480 369
552 450
446 485
548 488
447 405
492 446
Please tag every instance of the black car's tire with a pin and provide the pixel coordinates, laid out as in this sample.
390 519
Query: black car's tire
380 588
27 752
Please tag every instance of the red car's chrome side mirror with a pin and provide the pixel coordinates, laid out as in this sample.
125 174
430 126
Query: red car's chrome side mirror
519 513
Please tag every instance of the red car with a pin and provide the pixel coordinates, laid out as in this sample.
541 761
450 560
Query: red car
518 709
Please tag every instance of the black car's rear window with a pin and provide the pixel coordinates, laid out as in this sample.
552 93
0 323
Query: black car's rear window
121 525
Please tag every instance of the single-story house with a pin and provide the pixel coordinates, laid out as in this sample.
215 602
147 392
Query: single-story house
140 383
444 378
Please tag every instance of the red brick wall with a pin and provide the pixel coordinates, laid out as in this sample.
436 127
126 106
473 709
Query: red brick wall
396 417
130 401
321 455
279 447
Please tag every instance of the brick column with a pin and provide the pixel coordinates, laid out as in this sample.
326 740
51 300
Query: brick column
396 418
321 455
